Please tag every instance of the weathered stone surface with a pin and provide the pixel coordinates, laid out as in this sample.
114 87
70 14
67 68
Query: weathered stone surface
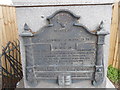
64 52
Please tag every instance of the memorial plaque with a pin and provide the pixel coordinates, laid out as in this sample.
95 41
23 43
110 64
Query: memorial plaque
64 51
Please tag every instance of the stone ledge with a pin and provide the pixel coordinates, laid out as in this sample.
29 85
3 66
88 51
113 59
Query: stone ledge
58 2
109 84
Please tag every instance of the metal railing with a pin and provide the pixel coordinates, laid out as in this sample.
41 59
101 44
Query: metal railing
11 65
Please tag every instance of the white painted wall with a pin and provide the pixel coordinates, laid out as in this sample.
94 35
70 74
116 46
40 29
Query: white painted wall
6 2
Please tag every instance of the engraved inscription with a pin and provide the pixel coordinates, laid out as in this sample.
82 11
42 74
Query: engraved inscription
64 48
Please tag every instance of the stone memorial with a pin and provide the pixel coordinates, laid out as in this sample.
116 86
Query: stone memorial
64 53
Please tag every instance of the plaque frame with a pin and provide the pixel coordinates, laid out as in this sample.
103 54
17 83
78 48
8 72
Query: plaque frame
99 64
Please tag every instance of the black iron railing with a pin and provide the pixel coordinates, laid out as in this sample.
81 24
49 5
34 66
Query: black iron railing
11 65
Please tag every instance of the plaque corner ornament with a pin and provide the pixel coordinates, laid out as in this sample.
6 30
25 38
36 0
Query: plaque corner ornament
101 30
27 31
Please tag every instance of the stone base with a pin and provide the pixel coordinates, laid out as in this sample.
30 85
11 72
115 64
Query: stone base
80 84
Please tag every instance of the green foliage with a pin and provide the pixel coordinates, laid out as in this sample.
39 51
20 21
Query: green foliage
113 74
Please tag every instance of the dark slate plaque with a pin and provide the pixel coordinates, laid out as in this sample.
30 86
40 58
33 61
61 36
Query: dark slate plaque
64 51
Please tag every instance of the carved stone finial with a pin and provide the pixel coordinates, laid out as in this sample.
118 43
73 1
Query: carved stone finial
26 27
101 25
27 31
101 30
